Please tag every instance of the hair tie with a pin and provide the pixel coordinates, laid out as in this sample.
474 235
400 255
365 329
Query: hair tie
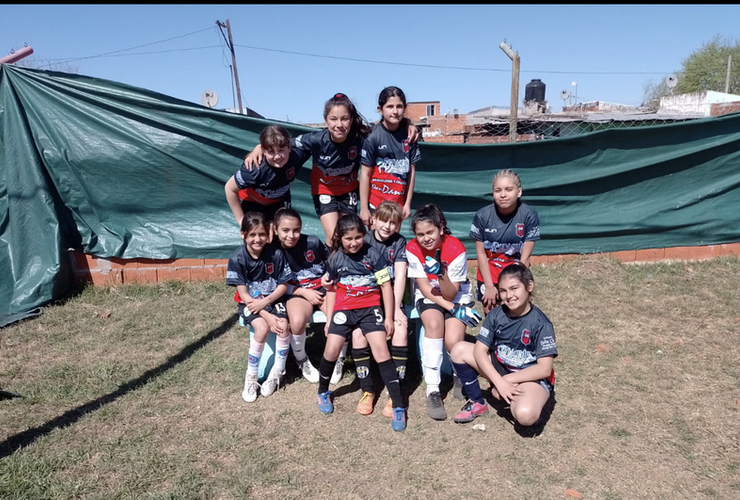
340 96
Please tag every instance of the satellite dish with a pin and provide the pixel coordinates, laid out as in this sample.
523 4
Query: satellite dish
209 98
564 94
671 81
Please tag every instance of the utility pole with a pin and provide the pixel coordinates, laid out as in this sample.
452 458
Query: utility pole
230 43
514 88
727 79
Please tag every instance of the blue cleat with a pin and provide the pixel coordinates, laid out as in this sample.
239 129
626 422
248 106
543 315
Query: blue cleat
325 404
399 419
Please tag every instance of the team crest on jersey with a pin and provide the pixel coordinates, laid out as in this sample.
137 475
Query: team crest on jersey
367 265
525 337
352 153
269 268
391 253
309 256
405 145
290 172
520 230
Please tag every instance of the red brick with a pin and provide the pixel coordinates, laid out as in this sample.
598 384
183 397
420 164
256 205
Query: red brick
730 249
649 255
624 255
114 277
140 275
678 253
154 262
167 274
536 260
215 262
551 259
205 274
188 263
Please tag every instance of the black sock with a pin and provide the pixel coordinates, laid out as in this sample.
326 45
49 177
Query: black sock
361 357
400 356
390 378
469 378
326 368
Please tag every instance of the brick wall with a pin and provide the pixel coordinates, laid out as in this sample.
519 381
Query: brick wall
101 272
723 108
415 110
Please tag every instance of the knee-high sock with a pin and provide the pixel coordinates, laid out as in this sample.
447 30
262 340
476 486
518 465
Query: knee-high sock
362 367
282 347
255 353
298 344
469 378
400 355
432 360
390 378
326 368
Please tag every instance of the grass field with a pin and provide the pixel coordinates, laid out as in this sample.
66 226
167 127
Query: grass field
134 392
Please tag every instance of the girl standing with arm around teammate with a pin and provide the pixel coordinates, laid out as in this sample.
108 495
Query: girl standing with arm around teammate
360 279
388 158
438 263
514 351
260 275
504 232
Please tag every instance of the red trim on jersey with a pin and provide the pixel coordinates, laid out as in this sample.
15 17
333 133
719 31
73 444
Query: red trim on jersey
385 186
357 297
496 263
250 194
451 247
335 185
309 283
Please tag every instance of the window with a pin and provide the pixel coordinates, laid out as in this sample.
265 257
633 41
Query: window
430 109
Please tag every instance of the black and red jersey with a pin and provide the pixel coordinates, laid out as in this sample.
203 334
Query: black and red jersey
519 342
454 258
261 276
335 166
307 261
354 278
265 184
392 250
503 236
390 155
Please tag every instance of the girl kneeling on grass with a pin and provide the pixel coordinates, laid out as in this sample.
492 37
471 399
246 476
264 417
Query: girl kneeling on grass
442 296
260 275
514 351
306 256
360 278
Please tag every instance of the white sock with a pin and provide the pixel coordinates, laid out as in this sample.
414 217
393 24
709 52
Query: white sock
343 353
255 353
282 347
432 359
298 344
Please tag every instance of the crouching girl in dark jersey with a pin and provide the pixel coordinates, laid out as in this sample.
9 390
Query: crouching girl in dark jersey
360 277
514 351
260 275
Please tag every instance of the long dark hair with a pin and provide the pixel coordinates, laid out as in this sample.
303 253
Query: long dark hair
359 125
432 214
346 223
252 220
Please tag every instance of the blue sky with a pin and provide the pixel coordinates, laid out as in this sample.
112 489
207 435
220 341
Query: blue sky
292 58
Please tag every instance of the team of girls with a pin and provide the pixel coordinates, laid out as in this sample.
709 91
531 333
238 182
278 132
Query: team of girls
504 232
260 274
514 351
336 158
438 264
360 278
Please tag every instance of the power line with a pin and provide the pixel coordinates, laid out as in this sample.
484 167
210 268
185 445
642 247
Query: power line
455 67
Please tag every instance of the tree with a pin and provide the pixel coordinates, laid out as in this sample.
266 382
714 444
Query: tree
706 68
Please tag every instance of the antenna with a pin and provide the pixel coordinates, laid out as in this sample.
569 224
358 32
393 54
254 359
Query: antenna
671 81
209 98
564 95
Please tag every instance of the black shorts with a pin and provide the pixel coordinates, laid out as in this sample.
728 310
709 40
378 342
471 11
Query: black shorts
277 308
343 203
320 289
480 289
268 210
422 306
368 319
502 370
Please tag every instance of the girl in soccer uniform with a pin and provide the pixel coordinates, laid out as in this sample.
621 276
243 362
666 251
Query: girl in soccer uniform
438 264
514 351
360 278
504 232
259 272
388 158
306 257
266 188
384 237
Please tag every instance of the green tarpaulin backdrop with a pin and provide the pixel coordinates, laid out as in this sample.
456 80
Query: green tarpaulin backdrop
119 171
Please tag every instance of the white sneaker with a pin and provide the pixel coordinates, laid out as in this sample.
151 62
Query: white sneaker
338 371
309 372
272 383
249 394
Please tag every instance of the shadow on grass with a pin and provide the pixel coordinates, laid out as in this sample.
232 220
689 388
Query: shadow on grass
503 410
27 437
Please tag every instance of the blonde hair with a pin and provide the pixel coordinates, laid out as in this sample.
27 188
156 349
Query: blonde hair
389 211
508 173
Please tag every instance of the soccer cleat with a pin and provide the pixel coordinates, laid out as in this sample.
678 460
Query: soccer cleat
365 406
271 384
338 371
457 388
249 394
435 407
470 411
399 419
388 409
309 372
325 404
